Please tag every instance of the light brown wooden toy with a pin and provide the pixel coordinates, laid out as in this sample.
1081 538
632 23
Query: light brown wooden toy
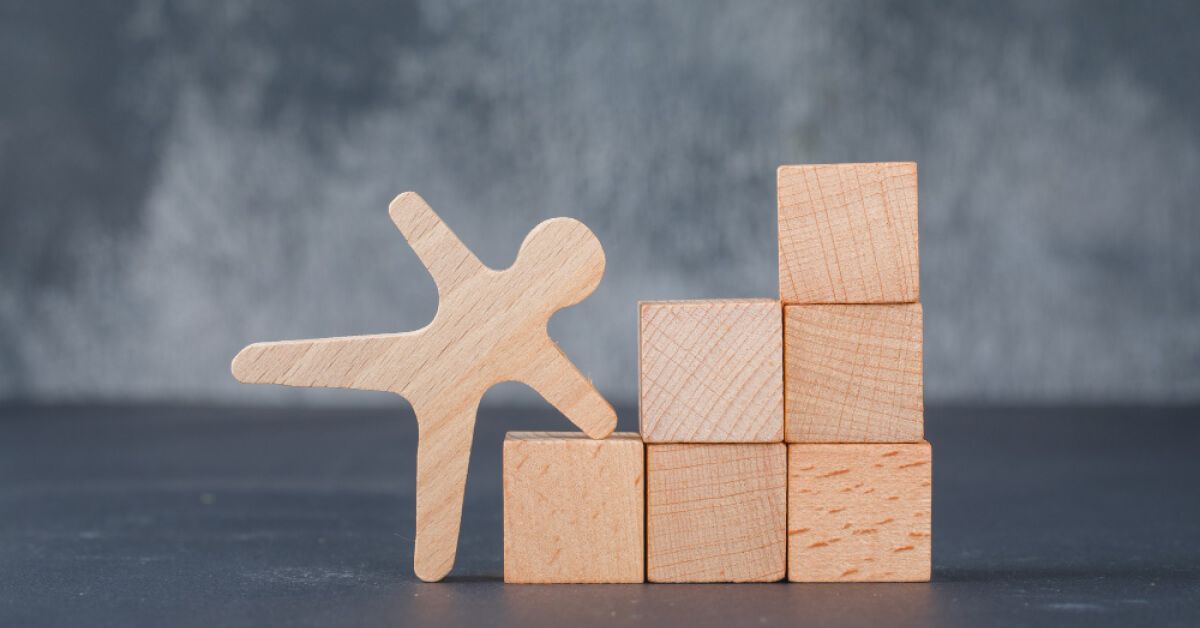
859 513
490 327
711 371
716 513
848 233
854 373
574 508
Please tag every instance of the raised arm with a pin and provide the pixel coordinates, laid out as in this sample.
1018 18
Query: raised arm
559 381
362 362
446 257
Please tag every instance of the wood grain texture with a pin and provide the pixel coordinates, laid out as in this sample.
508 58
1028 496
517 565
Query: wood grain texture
854 373
711 371
848 233
859 513
574 508
716 513
490 327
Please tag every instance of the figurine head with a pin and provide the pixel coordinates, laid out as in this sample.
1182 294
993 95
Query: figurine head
564 258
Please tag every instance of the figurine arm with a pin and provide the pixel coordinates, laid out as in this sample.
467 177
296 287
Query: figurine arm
362 362
559 381
447 258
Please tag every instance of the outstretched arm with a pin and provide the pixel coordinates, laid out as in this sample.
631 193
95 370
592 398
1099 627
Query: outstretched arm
558 380
447 258
362 362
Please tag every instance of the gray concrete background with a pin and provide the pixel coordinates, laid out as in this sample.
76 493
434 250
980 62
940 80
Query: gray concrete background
178 179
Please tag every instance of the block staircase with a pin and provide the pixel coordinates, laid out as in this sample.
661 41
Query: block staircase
779 438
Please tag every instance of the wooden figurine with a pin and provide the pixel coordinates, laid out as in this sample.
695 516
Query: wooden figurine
859 513
490 327
574 508
854 373
711 371
716 513
848 233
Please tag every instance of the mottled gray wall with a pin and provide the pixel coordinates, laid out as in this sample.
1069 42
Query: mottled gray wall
177 179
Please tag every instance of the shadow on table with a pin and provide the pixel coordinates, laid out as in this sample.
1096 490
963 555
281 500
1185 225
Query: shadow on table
1066 574
461 599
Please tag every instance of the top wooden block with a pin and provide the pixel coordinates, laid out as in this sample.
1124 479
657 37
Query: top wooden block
848 233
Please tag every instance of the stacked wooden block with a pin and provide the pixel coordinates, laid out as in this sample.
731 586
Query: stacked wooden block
777 436
712 419
859 481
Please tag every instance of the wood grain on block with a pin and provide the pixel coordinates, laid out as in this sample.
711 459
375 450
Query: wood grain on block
711 371
716 513
848 233
490 327
859 512
854 373
574 508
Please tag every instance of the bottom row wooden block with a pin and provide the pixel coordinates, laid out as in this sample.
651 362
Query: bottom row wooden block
716 513
859 512
574 510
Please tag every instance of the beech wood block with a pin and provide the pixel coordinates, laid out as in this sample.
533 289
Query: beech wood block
574 508
854 373
711 371
859 513
848 233
716 513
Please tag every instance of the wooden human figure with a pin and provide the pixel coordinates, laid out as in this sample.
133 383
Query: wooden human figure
490 327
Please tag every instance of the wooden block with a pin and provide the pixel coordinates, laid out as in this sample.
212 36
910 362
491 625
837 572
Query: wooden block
848 233
490 327
716 513
854 373
574 508
711 371
859 513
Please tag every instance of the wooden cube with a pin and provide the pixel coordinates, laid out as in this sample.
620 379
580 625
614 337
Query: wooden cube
711 371
848 233
716 513
574 508
859 513
854 373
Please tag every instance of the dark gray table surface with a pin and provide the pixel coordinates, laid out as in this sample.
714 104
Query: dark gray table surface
153 516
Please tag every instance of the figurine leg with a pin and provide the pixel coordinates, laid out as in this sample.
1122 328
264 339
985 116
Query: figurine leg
443 451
